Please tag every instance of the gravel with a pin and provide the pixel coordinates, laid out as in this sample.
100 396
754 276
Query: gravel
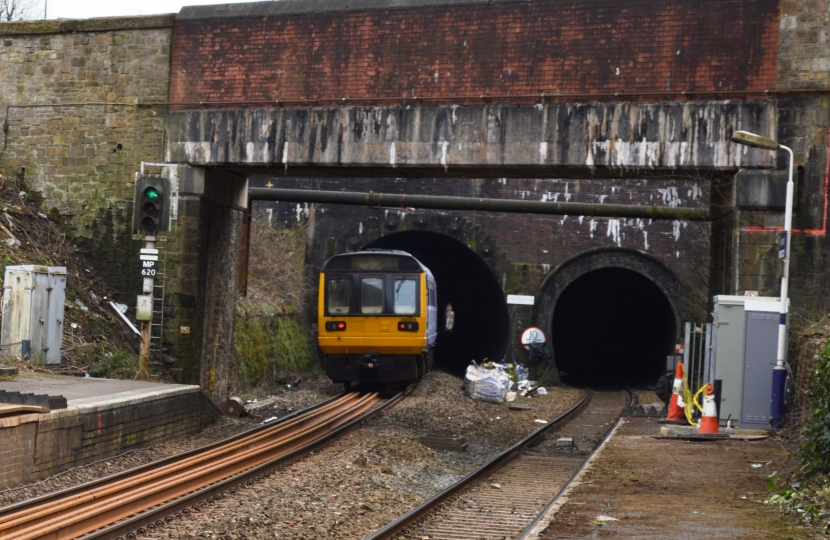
310 391
372 475
224 428
354 484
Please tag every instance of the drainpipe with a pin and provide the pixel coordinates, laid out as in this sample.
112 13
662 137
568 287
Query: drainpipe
404 201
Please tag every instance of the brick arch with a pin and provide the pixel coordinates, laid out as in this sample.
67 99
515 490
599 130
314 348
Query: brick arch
461 228
630 259
463 260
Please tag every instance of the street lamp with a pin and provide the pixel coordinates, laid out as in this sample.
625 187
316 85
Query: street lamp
779 373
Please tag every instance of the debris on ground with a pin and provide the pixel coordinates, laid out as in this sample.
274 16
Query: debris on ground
93 334
488 384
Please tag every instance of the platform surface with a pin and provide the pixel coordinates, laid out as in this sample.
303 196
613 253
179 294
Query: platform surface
641 487
103 418
89 392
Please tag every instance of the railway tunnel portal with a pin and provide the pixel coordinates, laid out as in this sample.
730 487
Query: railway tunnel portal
468 288
355 98
613 316
517 254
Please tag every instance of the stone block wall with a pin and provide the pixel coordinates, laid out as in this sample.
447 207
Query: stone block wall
73 98
804 46
803 101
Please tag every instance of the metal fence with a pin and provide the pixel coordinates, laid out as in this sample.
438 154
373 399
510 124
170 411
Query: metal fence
698 360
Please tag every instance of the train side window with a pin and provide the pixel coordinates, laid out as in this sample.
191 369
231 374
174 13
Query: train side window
433 300
371 295
338 295
406 299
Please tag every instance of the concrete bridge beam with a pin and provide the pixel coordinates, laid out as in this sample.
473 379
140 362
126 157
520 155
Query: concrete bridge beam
568 139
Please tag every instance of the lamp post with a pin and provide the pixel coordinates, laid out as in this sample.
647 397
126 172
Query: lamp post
779 373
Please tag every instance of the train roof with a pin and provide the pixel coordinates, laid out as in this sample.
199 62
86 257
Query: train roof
339 262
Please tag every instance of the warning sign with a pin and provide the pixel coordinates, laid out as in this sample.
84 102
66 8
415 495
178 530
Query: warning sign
533 335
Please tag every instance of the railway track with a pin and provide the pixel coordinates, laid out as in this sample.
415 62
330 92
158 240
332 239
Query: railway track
504 498
144 498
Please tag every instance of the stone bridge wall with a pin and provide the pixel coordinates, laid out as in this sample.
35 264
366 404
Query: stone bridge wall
76 104
73 132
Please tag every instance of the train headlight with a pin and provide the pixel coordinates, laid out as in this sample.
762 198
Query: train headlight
407 326
335 326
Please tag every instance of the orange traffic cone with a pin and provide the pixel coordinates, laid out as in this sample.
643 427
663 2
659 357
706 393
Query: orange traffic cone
677 415
709 420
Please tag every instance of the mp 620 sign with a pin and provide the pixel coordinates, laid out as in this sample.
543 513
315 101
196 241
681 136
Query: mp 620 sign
148 268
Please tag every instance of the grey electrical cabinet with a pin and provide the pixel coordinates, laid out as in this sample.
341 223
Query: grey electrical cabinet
33 299
736 329
760 355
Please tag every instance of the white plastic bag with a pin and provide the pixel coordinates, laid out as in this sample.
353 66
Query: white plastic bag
490 385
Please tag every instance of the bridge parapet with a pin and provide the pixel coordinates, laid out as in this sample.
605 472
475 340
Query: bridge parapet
583 138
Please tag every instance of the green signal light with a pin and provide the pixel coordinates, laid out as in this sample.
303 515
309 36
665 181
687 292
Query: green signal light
152 194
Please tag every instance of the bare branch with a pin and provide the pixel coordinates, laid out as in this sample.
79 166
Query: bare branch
17 10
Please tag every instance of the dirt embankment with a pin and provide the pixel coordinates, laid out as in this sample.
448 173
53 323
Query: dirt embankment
93 331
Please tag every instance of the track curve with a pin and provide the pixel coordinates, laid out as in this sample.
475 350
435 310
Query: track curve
503 498
147 496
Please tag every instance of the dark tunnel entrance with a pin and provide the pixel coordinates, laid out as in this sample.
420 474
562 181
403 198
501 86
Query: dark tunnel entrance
611 328
465 281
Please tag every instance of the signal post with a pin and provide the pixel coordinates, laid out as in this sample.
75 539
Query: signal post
151 216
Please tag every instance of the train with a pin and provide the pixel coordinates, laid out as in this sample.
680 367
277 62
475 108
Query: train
377 317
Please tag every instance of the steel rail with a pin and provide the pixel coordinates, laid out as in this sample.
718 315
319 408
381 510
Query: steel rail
67 492
398 200
101 486
526 533
157 516
390 530
91 510
228 463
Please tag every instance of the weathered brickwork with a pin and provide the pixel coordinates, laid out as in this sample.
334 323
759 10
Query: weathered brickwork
68 93
249 53
539 240
33 447
522 251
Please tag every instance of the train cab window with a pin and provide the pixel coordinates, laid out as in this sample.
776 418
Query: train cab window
406 299
371 295
339 295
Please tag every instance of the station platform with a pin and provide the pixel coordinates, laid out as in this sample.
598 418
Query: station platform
103 418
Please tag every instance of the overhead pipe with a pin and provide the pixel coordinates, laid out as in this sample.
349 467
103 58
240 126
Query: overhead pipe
404 201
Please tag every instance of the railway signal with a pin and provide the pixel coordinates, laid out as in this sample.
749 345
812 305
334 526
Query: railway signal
152 206
151 216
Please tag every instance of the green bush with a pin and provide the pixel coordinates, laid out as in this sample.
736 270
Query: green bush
268 342
104 363
815 449
807 493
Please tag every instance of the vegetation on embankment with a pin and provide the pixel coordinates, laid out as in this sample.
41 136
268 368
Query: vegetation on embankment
272 336
806 493
95 340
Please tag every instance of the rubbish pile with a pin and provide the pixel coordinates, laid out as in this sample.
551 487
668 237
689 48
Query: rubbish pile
493 383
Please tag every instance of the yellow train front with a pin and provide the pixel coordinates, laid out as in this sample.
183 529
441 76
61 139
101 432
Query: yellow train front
377 317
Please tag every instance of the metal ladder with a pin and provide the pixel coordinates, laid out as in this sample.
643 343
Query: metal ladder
157 328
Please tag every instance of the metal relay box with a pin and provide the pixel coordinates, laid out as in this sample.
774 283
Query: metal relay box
745 349
33 298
